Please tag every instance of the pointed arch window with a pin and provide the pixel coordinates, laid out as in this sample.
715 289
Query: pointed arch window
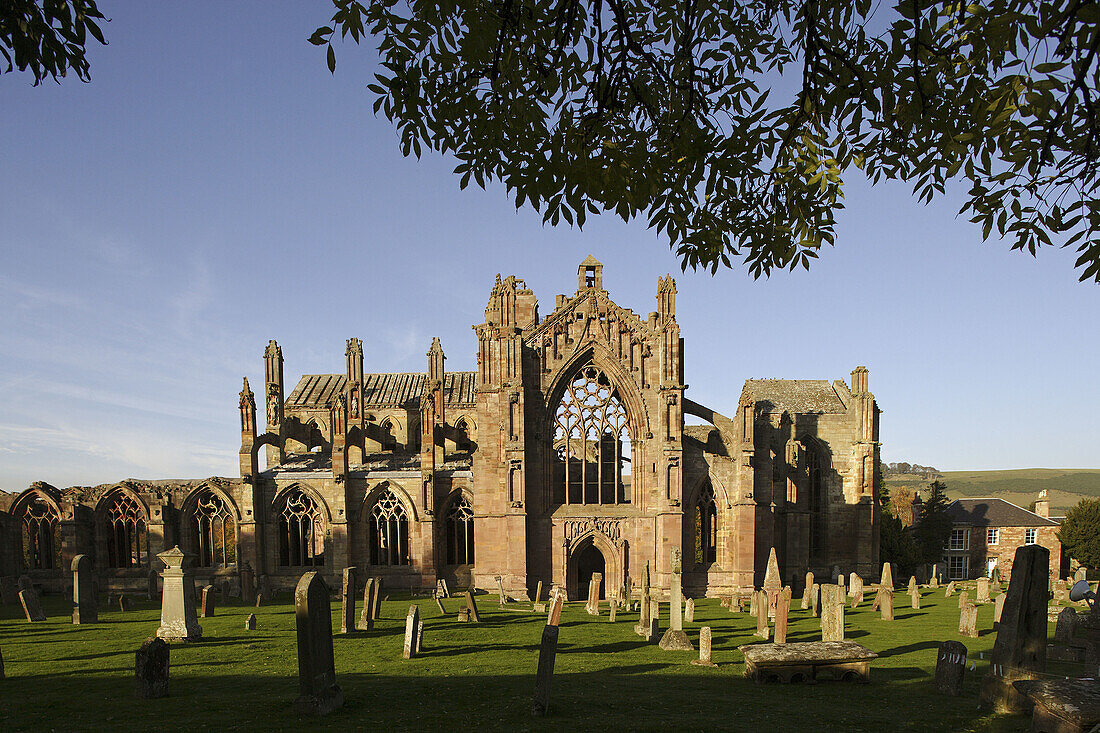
463 440
41 534
706 526
460 533
127 532
213 529
389 435
815 476
301 531
591 442
388 531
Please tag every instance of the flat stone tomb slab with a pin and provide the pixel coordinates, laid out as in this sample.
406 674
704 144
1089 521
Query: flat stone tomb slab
1062 705
808 661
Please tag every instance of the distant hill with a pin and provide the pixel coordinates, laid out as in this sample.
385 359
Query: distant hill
1065 486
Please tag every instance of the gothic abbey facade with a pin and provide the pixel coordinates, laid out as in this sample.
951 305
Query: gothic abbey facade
565 453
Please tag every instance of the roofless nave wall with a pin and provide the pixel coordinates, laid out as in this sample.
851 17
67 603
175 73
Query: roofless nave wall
565 453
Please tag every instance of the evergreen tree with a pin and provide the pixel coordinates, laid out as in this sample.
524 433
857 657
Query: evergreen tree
1080 533
934 529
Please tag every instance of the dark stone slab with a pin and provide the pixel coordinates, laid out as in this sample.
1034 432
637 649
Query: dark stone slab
151 669
950 668
318 693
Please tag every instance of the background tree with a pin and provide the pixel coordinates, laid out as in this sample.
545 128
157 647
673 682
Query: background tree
48 36
730 125
934 528
1080 532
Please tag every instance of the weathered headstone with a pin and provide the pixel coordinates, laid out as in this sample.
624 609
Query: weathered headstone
772 582
178 620
419 636
950 590
439 603
912 587
887 579
852 583
260 598
32 608
412 620
1061 592
968 621
265 589
376 600
934 582
441 589
782 608
500 591
1019 652
318 693
815 599
644 627
950 668
886 604
151 669
207 601
548 647
675 638
762 629
998 609
614 607
125 602
250 622
857 590
653 636
151 584
981 595
809 584
704 649
689 611
832 613
471 607
1065 627
964 598
25 583
914 599
85 603
593 605
248 584
347 601
366 616
538 595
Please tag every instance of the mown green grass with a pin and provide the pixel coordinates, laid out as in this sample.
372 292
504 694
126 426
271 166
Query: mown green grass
64 677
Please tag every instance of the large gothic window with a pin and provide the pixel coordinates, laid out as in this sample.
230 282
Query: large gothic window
460 533
301 531
213 531
388 531
41 534
706 526
127 532
815 475
591 442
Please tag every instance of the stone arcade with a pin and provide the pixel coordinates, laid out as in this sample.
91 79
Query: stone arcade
564 454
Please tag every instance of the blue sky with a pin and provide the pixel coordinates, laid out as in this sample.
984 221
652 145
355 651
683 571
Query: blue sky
214 187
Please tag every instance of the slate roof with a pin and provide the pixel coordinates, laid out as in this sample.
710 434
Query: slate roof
316 391
994 513
793 395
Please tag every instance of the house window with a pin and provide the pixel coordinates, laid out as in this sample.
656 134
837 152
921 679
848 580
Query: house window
1029 536
958 567
992 535
960 540
388 531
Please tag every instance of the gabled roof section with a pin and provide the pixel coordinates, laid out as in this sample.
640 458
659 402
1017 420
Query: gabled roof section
602 304
317 391
793 395
994 512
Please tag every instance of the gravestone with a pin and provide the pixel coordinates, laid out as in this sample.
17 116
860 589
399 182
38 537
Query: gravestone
614 607
125 602
675 639
857 590
207 601
376 600
782 608
912 587
832 613
224 587
1061 593
441 589
704 649
689 611
914 599
151 669
502 598
250 622
852 583
32 608
85 603
412 620
471 607
419 636
366 616
935 580
982 594
772 582
593 605
887 579
439 603
318 693
886 604
260 598
1019 653
762 629
548 647
968 621
653 636
950 668
464 614
1066 626
1081 574
248 584
25 583
151 584
950 590
178 620
538 595
265 589
815 599
644 626
347 601
964 598
806 590
9 590
998 609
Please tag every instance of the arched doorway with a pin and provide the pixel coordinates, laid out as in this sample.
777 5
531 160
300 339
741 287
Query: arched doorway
590 560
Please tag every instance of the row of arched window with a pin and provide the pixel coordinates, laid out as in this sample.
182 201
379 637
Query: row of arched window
212 531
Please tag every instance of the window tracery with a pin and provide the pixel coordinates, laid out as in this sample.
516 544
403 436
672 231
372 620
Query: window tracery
591 442
388 531
460 533
127 532
41 534
301 531
213 531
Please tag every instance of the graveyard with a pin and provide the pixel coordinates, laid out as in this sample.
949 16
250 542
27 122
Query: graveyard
481 674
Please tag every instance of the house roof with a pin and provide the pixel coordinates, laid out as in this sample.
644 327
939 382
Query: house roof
793 395
992 512
317 391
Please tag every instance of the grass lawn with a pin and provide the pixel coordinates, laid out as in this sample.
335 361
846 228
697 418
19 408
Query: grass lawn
481 676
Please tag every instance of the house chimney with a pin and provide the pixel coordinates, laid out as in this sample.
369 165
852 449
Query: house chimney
1042 506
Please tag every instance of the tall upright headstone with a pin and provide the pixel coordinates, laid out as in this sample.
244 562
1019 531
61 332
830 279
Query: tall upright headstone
248 584
981 595
151 669
968 621
471 607
782 608
772 582
856 591
644 626
376 601
887 580
689 611
318 693
998 609
548 647
950 668
412 624
832 613
1020 651
347 601
366 620
178 620
886 604
207 602
912 587
593 605
815 599
761 606
32 607
152 581
964 598
85 603
502 597
538 593
675 638
705 642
